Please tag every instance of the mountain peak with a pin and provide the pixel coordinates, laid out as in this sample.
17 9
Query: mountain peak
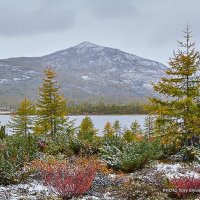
85 44
86 71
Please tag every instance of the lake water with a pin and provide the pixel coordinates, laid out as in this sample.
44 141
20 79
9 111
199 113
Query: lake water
98 120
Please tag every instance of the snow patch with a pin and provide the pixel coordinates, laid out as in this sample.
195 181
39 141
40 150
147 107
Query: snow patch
175 171
4 80
86 78
17 79
13 192
85 44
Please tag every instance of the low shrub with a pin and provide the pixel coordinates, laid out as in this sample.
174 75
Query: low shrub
111 151
130 156
2 132
184 186
15 152
60 144
68 179
190 153
57 146
132 189
75 145
85 147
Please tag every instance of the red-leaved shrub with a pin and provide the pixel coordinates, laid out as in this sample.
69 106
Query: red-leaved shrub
68 179
186 185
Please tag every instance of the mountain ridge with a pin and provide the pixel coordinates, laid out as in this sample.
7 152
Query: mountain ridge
85 69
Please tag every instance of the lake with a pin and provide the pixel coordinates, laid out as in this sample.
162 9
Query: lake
98 120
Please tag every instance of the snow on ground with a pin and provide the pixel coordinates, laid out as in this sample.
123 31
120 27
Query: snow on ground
176 170
86 78
35 190
4 80
17 79
22 191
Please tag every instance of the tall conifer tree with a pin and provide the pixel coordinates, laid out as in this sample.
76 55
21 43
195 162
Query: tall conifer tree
22 121
51 106
117 128
108 130
149 125
178 113
135 128
87 130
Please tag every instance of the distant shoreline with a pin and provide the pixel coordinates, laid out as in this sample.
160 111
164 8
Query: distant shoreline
5 113
91 114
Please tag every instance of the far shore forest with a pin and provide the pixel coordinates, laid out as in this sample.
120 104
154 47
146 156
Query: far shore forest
93 107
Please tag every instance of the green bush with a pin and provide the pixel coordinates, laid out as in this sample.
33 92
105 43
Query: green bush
15 152
111 151
75 145
127 157
85 147
169 150
2 132
189 153
59 145
71 146
136 155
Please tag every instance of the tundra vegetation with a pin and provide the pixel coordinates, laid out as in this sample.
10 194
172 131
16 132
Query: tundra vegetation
68 159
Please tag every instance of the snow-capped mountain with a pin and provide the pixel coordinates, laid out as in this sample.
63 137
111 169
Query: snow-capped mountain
84 70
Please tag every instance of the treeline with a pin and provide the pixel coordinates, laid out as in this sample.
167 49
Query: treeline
106 108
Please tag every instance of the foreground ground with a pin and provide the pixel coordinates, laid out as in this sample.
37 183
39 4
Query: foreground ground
147 183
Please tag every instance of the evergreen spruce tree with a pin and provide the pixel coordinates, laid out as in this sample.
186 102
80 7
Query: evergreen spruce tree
178 113
22 121
117 127
135 128
87 130
51 106
108 130
128 136
149 125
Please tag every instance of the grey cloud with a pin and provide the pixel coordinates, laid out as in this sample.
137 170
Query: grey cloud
33 17
148 28
112 9
174 16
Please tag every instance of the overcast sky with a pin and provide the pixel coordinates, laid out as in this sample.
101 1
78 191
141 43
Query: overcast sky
147 28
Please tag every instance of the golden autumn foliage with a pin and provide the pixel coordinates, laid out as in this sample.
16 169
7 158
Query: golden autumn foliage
178 110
